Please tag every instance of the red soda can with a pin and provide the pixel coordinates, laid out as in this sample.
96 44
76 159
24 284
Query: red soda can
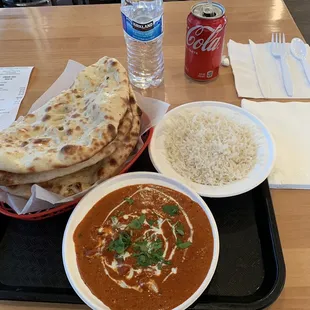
204 41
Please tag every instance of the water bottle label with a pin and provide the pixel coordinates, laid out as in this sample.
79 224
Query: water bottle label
143 32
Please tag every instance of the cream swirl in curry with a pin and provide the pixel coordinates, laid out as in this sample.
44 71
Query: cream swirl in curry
140 242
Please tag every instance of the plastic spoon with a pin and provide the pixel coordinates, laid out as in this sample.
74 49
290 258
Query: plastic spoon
299 51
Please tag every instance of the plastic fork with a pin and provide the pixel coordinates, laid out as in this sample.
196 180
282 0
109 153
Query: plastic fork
278 50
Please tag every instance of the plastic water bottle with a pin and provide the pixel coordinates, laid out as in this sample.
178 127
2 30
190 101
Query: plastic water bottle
143 31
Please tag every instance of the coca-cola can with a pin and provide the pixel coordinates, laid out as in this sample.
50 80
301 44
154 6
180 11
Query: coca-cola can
204 41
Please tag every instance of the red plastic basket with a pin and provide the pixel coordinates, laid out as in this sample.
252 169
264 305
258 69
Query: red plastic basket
41 215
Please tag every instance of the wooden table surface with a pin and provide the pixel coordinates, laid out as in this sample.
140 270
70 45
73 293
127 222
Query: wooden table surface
47 37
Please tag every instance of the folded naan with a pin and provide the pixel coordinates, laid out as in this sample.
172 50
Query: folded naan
81 180
9 178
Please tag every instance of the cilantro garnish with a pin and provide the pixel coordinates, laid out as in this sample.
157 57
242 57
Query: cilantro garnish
183 245
129 200
179 228
149 253
172 210
140 246
151 222
121 244
137 223
155 245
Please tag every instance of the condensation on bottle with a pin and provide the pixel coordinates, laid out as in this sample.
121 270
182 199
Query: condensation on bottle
143 31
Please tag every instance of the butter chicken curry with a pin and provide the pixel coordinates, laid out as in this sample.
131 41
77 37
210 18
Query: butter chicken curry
144 247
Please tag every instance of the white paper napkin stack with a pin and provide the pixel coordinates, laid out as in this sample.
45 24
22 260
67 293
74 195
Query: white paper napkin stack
258 74
289 124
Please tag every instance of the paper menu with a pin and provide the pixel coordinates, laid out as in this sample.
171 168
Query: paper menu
13 86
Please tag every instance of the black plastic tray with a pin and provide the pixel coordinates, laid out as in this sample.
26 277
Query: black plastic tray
250 272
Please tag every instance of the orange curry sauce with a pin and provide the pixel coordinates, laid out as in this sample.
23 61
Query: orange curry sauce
144 247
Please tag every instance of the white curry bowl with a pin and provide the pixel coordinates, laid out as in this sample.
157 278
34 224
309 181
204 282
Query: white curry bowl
111 185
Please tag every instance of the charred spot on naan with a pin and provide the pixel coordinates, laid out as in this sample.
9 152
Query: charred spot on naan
70 149
22 130
132 99
69 132
113 162
58 105
139 111
100 172
121 123
52 151
72 189
37 128
67 95
130 146
104 138
111 62
134 134
30 118
112 130
61 107
41 141
109 117
46 117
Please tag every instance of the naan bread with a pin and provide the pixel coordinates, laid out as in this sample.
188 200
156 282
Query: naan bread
9 178
81 180
73 126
